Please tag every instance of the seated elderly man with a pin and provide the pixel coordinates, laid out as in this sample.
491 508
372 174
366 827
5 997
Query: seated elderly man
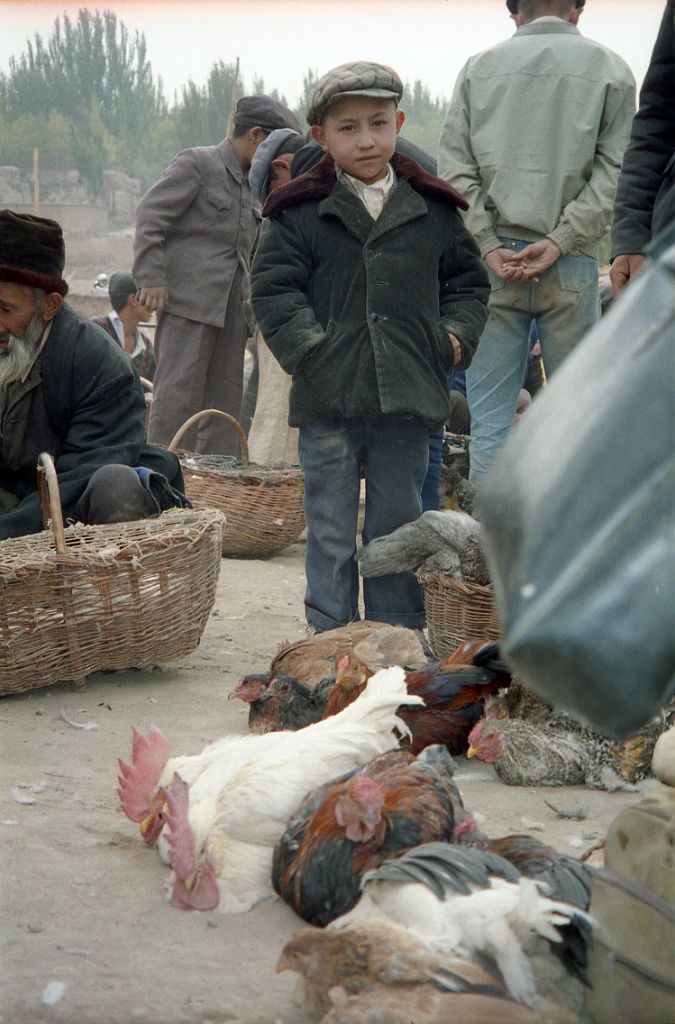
67 389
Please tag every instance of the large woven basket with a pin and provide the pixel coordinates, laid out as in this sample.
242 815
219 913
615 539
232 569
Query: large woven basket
88 598
263 505
457 611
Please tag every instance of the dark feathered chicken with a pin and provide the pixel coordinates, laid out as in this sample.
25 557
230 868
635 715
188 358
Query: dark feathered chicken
566 878
282 702
351 825
453 690
455 897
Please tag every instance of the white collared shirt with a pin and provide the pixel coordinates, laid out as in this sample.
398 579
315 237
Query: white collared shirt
139 347
372 196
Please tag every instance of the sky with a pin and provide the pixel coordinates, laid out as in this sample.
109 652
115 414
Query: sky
280 39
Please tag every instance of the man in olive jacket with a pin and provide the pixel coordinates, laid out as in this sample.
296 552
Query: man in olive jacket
368 289
67 389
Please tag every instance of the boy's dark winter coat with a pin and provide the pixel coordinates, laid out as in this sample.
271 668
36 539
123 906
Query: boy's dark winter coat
83 404
358 310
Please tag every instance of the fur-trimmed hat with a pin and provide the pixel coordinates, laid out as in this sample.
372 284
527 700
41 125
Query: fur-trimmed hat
32 251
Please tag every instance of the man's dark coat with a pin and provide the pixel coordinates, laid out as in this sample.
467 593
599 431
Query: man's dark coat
645 197
83 404
358 310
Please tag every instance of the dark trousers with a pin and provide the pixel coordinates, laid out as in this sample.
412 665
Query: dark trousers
393 454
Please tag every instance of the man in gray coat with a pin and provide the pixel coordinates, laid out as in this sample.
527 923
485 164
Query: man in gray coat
195 231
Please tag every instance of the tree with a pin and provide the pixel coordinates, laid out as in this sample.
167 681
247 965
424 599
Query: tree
97 77
201 116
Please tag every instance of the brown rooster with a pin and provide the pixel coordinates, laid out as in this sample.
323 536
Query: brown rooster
352 824
453 691
369 970
378 644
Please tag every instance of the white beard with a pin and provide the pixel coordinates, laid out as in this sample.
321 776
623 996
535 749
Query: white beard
16 359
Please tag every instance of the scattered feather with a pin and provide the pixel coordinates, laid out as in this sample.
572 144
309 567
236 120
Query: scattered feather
575 841
9 821
53 992
22 798
534 826
87 726
579 814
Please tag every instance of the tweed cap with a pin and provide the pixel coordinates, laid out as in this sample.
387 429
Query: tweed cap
32 251
358 78
264 112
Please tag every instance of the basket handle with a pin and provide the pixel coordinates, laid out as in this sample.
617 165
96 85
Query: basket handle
50 501
235 424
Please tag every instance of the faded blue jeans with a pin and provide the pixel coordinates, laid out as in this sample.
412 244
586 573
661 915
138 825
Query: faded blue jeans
565 304
393 453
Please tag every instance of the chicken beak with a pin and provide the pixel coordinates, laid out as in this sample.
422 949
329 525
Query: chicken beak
283 964
147 823
190 881
471 752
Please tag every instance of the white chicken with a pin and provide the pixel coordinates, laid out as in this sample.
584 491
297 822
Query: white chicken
222 829
143 782
464 904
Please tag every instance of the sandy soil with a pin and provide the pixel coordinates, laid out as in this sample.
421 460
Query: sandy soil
83 902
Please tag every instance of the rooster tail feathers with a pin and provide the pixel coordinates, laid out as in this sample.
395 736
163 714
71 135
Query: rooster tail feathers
138 780
489 656
384 693
443 867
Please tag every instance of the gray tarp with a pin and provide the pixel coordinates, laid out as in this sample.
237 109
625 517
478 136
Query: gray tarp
578 513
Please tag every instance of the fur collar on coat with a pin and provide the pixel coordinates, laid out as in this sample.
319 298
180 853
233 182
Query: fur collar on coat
319 182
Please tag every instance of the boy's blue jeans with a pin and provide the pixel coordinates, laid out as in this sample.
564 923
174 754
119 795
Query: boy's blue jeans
394 454
565 305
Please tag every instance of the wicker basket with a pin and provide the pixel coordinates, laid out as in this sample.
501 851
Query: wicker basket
263 505
457 611
87 598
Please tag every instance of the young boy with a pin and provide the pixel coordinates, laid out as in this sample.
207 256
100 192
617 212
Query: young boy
368 289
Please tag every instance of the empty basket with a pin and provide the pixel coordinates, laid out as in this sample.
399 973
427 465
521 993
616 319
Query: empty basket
87 598
263 505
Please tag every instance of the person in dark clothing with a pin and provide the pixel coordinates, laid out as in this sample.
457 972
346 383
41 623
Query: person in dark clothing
645 196
368 289
67 390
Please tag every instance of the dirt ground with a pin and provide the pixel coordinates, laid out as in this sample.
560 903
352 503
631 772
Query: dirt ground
83 901
87 934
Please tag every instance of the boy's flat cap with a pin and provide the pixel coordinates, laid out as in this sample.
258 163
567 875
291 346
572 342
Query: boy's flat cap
359 78
264 112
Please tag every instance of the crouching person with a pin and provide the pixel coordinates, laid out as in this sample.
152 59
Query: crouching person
66 389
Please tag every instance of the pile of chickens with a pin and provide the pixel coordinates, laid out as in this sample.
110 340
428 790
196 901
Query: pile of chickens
342 800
